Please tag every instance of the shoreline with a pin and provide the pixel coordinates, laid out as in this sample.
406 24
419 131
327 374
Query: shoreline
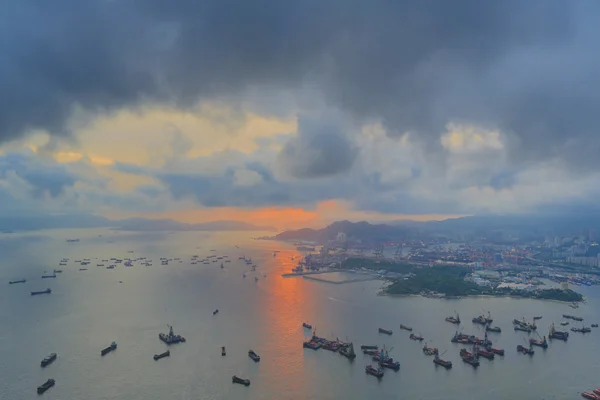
383 293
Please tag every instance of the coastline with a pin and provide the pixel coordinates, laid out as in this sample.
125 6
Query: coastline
398 295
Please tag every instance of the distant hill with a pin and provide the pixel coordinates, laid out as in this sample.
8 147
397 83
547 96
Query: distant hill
59 221
363 231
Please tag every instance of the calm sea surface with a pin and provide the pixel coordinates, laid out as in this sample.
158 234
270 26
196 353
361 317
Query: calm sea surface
89 309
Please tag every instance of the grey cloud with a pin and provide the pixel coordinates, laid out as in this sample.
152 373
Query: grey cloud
527 67
43 178
320 149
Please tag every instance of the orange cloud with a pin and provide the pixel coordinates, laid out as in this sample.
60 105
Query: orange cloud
285 217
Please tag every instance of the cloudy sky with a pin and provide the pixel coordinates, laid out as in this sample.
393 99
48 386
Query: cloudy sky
299 113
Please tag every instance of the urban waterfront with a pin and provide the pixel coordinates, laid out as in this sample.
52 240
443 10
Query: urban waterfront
87 310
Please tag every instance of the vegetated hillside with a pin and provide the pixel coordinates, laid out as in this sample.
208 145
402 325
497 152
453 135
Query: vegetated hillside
359 231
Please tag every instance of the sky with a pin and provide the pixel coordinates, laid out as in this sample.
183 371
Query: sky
299 113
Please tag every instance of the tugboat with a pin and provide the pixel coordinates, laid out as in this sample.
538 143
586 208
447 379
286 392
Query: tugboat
223 352
539 342
438 361
429 351
112 347
45 386
376 372
453 320
47 291
412 336
253 356
171 338
48 360
348 352
386 331
19 281
522 349
162 355
241 381
406 328
307 326
554 334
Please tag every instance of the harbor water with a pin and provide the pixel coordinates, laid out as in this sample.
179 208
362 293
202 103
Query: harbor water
87 310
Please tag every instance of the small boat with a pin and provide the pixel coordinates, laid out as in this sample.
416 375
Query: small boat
241 381
162 355
58 271
453 320
83 269
48 360
590 395
307 326
368 347
45 386
406 328
438 361
522 349
536 318
594 325
19 281
376 372
223 352
253 356
49 276
47 291
429 351
564 323
495 329
112 347
386 331
216 312
412 336
583 329
256 279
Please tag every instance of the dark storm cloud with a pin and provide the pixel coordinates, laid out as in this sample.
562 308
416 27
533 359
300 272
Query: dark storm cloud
527 67
320 149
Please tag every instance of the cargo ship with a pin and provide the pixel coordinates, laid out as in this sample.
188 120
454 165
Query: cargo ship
48 360
241 381
583 329
499 352
311 345
19 281
543 343
522 328
525 324
554 334
112 347
469 358
171 338
483 320
371 352
406 328
438 361
255 357
385 331
369 347
412 336
429 351
454 320
572 317
45 386
495 329
590 395
348 351
390 364
376 372
528 351
47 291
162 355
481 352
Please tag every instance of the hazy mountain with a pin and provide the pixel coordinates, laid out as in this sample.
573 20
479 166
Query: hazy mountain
58 221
